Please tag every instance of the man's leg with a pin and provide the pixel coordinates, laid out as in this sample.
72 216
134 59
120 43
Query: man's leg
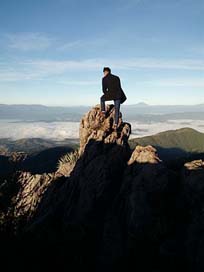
117 110
103 105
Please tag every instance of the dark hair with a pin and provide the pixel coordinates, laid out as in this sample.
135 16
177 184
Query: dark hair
107 69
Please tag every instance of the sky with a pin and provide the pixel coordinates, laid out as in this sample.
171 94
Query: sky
52 52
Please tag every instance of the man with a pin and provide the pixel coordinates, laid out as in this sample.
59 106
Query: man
112 90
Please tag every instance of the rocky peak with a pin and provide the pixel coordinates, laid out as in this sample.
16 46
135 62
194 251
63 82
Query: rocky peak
110 207
92 127
100 128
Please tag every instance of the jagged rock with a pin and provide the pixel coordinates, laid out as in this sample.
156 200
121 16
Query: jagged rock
72 210
193 199
3 150
144 154
74 207
10 162
111 209
17 157
102 158
124 204
141 214
32 188
194 165
100 128
192 180
93 127
96 176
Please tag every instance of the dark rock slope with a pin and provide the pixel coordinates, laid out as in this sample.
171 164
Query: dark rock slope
115 210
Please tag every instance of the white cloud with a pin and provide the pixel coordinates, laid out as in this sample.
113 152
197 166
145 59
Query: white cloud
150 63
79 82
28 41
88 43
39 69
13 76
69 45
197 50
179 82
35 41
64 130
54 130
133 63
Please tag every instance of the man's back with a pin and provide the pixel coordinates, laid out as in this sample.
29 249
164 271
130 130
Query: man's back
111 86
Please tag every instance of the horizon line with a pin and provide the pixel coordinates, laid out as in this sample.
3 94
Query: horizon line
79 105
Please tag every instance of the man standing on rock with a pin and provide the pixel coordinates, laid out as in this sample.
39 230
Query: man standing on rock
112 90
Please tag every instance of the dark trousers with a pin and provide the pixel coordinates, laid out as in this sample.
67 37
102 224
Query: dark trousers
117 108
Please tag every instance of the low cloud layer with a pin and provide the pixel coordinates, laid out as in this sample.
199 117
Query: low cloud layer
64 130
140 129
52 130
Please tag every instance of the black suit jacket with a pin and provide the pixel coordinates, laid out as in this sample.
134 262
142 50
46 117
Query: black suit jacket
112 89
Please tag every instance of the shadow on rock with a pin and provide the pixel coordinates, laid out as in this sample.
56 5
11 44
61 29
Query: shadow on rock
110 214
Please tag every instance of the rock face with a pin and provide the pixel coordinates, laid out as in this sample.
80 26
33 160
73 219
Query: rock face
194 165
193 196
100 128
144 154
108 208
93 127
32 188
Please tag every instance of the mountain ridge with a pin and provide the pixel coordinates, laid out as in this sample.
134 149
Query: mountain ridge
185 138
183 144
138 112
107 208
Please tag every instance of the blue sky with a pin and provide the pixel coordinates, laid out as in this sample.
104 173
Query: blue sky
52 52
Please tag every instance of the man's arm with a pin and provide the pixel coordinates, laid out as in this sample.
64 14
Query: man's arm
119 83
104 87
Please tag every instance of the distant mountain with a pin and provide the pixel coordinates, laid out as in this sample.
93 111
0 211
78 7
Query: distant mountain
34 145
74 113
162 112
173 144
140 104
41 113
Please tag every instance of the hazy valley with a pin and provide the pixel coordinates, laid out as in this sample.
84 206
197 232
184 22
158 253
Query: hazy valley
62 123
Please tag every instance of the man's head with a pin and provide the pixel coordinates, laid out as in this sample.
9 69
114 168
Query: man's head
106 70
